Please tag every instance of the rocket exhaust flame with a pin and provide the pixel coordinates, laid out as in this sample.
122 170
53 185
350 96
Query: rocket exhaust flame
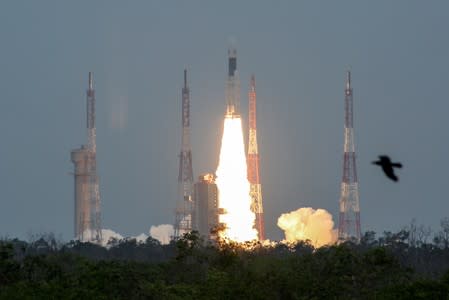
233 185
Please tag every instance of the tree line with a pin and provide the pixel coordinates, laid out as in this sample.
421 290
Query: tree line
409 264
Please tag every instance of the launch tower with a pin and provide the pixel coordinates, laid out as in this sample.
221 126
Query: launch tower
253 164
184 213
87 196
206 202
349 220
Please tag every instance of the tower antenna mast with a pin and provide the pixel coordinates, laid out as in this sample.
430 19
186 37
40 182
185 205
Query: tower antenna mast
184 213
253 163
349 219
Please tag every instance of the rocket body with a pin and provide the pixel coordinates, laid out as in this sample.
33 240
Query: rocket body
233 86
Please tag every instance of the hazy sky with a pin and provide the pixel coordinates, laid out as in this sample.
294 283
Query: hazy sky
298 50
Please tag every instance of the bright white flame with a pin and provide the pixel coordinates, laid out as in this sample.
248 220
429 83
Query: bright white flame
308 224
233 184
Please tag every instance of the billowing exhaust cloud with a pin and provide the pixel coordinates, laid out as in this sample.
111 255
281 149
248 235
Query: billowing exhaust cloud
163 233
141 238
108 234
307 223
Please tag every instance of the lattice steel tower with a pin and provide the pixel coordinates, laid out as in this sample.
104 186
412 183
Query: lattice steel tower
184 214
253 164
87 195
349 220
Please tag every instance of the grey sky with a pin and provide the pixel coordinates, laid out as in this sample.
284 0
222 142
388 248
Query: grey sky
398 52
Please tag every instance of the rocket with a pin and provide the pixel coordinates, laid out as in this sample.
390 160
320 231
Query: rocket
233 86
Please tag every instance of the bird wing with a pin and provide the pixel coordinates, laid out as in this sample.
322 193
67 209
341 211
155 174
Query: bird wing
388 170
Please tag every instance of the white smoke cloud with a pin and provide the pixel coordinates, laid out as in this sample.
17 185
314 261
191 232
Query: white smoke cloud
163 233
307 223
108 234
141 238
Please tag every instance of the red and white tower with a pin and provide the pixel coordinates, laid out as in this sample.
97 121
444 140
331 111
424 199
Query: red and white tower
349 220
184 214
253 164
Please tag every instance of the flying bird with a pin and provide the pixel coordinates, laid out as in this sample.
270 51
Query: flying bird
388 167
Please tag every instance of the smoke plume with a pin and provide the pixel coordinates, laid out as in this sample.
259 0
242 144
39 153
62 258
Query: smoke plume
141 238
308 224
163 233
108 234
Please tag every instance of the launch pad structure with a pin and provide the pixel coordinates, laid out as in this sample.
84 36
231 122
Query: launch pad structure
184 211
87 196
206 206
349 219
253 164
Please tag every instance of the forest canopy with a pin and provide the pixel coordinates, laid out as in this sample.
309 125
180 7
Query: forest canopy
402 265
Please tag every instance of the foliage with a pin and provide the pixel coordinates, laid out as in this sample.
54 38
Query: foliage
394 266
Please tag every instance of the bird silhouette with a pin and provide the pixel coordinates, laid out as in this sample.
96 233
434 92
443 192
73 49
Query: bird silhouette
388 167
